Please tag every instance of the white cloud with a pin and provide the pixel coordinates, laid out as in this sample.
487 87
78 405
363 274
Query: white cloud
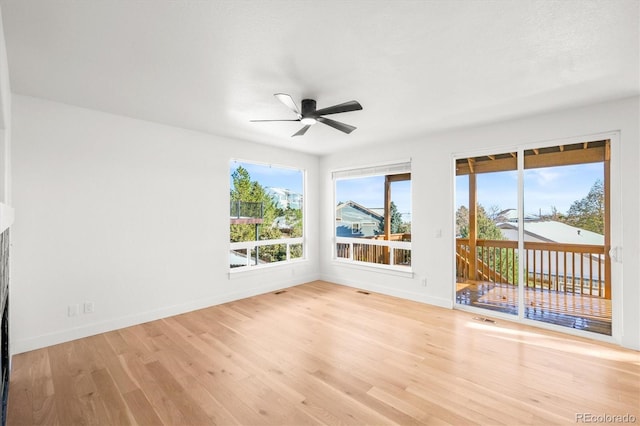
544 177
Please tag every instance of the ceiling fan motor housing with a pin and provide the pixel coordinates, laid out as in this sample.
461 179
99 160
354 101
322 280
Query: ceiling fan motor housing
308 107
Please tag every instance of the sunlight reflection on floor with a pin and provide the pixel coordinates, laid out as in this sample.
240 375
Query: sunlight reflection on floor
557 343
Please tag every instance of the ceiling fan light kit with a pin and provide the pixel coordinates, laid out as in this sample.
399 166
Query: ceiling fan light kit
310 115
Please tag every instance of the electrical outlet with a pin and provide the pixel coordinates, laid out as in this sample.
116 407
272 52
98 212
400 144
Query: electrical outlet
88 307
424 282
72 310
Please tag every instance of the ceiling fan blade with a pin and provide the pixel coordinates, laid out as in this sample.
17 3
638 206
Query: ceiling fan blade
302 131
288 101
337 125
343 107
261 121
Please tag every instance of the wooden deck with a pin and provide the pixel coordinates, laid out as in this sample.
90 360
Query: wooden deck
584 312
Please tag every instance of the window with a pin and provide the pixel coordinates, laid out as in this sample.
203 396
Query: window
266 215
373 216
355 228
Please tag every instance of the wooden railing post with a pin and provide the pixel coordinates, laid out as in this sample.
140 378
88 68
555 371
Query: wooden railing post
473 225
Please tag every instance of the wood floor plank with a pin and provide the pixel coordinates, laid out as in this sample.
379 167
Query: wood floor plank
141 408
113 407
323 354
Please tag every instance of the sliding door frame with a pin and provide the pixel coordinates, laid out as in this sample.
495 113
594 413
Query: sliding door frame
613 239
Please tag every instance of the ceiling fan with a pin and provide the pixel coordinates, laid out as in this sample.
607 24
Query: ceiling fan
310 115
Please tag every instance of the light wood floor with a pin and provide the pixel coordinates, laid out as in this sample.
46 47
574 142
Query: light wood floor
323 354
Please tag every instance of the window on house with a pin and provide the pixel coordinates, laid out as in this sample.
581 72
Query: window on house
373 216
266 215
355 228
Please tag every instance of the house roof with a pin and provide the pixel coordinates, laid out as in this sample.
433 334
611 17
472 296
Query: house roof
558 232
362 208
416 67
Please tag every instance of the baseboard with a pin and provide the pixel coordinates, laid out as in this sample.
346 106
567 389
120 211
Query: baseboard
389 291
86 330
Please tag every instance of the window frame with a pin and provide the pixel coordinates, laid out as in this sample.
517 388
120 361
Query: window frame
250 245
381 169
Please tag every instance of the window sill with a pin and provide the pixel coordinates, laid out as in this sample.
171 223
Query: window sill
260 269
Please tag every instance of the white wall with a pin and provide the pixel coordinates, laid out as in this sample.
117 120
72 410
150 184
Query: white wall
432 186
133 215
5 136
128 214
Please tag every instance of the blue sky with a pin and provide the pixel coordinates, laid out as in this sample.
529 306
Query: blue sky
543 188
274 176
369 192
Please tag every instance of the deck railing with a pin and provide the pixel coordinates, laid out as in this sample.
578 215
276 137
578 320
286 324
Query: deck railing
247 254
569 268
240 209
394 253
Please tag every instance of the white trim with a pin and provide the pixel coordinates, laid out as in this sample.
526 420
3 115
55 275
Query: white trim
243 271
261 163
616 236
6 216
520 202
240 245
382 169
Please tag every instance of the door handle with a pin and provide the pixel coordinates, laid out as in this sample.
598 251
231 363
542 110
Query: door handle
616 254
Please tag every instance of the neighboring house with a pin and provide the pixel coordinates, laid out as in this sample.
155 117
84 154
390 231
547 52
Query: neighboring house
285 198
551 231
281 223
354 220
546 230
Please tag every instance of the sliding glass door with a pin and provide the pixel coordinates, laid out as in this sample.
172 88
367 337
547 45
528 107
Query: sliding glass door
532 236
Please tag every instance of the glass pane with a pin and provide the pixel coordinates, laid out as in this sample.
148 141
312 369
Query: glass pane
360 213
295 251
237 258
269 254
486 244
266 203
564 232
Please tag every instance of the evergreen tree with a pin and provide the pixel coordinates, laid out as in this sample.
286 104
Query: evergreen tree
588 213
245 190
396 220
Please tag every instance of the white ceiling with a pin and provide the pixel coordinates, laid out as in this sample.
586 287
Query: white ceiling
415 66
